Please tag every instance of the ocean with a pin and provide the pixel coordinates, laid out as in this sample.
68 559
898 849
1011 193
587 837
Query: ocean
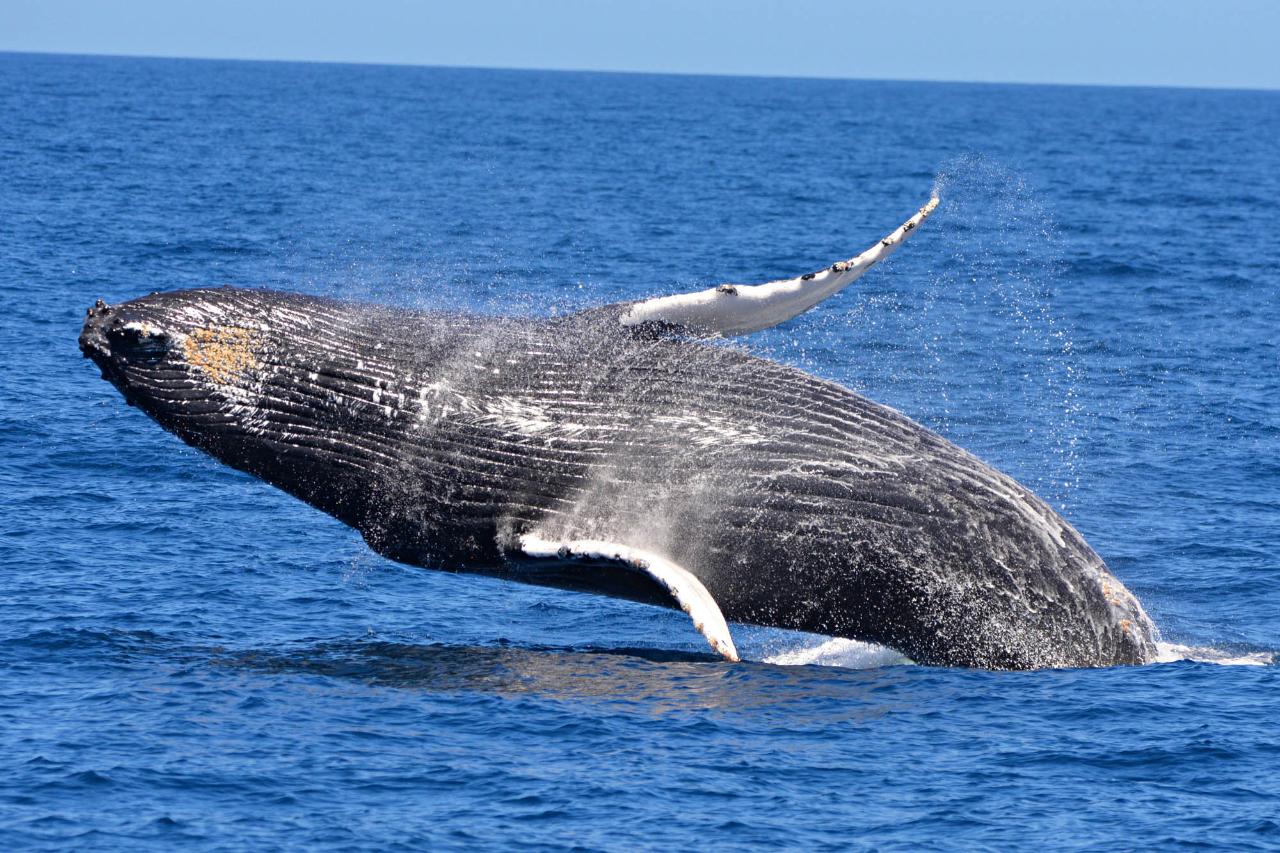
189 657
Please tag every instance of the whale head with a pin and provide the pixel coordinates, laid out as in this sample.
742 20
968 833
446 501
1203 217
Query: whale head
304 393
244 376
182 359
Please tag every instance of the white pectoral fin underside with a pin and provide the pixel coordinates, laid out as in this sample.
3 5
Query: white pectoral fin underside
737 309
687 590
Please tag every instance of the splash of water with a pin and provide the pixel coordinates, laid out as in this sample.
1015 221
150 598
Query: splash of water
1007 259
1174 652
854 654
838 652
959 330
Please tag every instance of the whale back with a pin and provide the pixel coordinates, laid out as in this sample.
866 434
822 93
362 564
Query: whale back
798 504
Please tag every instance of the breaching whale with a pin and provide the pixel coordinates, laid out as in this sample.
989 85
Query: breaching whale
619 451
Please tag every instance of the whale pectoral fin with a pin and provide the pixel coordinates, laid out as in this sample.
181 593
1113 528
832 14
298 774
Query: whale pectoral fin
736 309
687 591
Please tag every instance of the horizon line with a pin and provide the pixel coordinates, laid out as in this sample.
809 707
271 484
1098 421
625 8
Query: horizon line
637 72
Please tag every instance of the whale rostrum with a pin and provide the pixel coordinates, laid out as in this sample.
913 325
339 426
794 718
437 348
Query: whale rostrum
617 451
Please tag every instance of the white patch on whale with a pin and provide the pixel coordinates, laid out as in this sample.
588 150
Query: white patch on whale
693 598
739 309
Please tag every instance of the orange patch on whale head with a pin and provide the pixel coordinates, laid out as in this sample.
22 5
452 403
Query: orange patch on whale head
223 352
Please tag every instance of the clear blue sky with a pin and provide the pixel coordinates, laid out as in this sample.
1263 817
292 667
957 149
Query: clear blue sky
1144 42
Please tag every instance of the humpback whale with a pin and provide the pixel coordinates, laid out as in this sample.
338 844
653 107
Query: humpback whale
625 451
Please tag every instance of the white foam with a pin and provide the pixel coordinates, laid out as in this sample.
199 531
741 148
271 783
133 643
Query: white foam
837 651
1173 652
853 654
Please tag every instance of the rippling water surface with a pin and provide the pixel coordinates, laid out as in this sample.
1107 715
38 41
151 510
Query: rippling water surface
187 655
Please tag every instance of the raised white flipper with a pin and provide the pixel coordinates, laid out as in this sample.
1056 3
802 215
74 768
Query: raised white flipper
687 590
737 309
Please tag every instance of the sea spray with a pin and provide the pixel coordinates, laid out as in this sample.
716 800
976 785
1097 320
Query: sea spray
1009 261
972 296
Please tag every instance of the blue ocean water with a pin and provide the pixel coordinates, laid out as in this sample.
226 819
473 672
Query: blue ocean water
188 656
